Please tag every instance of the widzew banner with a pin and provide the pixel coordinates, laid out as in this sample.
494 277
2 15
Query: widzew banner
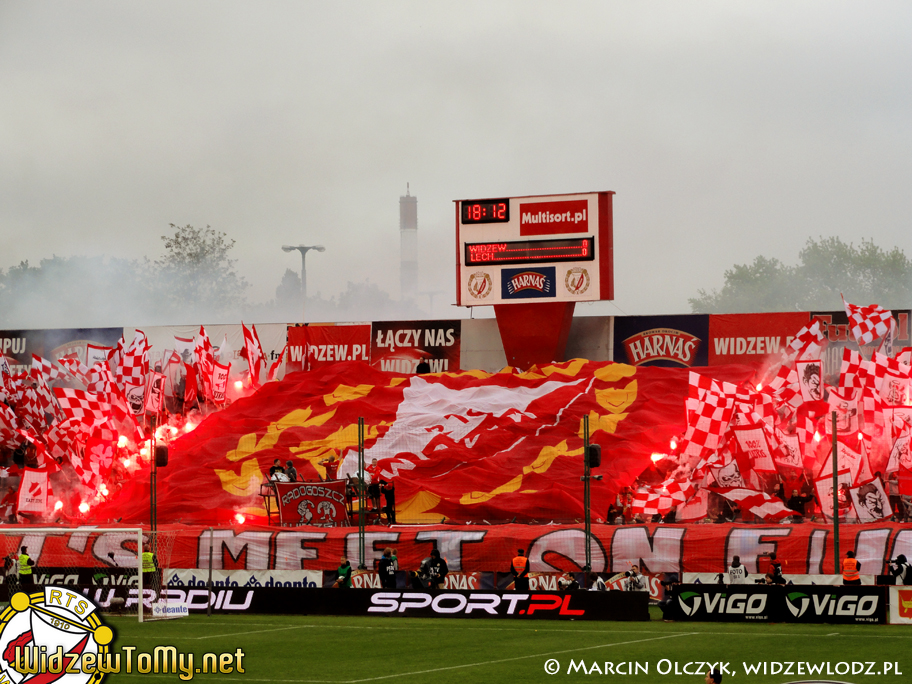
317 346
399 346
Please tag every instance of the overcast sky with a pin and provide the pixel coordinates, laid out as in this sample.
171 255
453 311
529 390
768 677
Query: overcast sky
727 130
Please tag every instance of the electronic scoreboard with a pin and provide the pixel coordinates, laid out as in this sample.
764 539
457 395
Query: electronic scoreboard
552 248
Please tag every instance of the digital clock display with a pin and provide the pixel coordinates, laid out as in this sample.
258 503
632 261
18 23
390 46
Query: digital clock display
530 251
486 211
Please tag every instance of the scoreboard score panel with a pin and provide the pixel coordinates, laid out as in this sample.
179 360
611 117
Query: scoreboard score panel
556 248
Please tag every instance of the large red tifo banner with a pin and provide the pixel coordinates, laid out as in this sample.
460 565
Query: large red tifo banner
805 549
470 446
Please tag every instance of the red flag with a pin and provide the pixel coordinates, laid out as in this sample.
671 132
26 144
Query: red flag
219 381
189 386
33 491
274 368
253 352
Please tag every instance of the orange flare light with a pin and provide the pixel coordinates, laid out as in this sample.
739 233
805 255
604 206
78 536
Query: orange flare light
83 507
238 385
240 518
58 505
122 441
657 457
817 437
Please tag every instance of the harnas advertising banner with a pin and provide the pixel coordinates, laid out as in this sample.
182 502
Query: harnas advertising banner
791 603
399 346
670 341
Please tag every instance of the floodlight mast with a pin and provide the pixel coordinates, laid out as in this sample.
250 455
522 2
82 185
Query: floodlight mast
303 249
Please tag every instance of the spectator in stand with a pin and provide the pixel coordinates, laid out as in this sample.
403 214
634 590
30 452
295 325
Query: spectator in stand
437 570
779 492
387 570
344 575
290 471
737 573
275 469
797 502
896 503
850 569
774 572
389 493
25 568
901 570
372 476
635 581
671 579
567 582
520 571
331 464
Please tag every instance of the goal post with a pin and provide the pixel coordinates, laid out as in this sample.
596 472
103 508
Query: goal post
104 563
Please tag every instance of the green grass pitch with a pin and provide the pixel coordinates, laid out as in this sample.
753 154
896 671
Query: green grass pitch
339 650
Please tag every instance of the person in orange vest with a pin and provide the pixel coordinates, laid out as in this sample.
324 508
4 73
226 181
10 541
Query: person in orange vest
850 568
520 570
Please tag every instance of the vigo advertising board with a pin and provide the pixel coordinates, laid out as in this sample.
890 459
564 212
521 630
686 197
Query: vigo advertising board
764 603
554 248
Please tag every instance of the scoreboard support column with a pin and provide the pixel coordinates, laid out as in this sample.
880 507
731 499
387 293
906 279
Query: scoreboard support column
534 334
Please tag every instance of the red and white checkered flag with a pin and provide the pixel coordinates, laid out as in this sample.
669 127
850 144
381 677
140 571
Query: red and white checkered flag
101 379
867 323
708 417
76 368
44 368
650 501
84 407
62 436
135 363
759 503
8 426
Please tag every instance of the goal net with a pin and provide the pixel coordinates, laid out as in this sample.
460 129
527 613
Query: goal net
104 563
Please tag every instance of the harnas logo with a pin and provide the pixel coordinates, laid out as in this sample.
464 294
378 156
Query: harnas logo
51 635
662 344
527 283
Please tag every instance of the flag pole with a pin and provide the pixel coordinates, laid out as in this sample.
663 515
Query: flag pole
835 499
586 494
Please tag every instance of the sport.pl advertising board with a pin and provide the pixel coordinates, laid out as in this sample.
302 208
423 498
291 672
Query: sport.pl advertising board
554 248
